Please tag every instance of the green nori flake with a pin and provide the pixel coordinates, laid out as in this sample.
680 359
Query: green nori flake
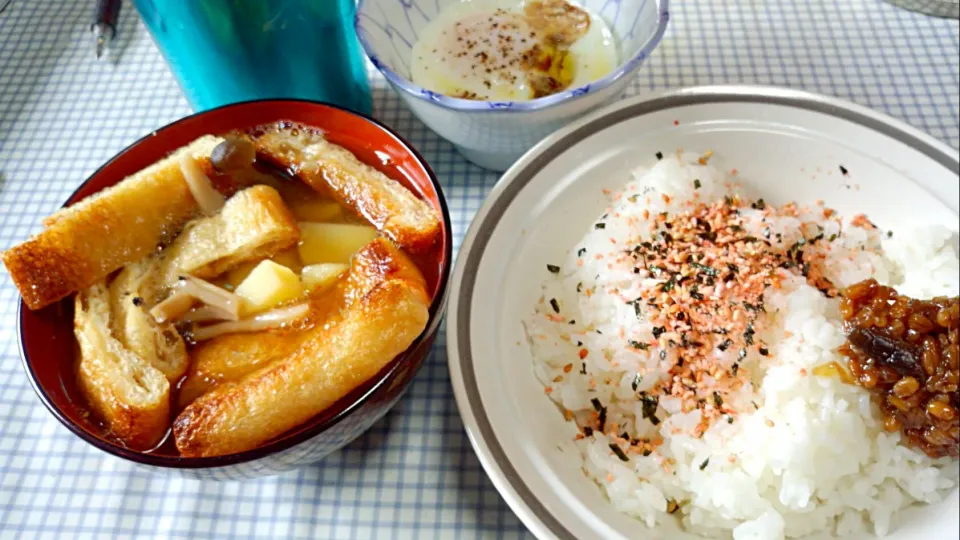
555 305
616 450
554 269
600 225
648 407
764 351
658 331
755 406
668 285
733 267
889 234
725 345
717 400
579 344
637 345
659 155
710 271
734 369
759 205
579 286
695 295
583 368
663 354
587 431
596 404
742 354
697 184
637 379
729 419
843 170
748 334
647 452
581 252
704 464
832 237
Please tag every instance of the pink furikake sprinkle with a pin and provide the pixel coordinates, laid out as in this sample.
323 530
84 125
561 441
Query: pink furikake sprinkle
711 276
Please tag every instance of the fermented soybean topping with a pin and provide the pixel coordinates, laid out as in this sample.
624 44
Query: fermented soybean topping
906 352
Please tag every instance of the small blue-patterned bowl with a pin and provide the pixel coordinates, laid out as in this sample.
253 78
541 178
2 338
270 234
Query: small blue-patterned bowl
494 134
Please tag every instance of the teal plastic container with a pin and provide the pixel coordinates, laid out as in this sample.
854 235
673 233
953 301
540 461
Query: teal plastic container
226 51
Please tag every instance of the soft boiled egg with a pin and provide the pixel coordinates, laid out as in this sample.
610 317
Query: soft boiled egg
512 50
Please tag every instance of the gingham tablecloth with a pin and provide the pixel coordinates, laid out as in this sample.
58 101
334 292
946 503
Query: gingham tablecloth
414 475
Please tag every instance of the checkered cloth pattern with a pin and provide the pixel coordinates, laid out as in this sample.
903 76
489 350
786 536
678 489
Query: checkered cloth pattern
414 475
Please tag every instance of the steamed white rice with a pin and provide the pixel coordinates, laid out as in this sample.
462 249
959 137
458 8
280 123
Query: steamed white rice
806 454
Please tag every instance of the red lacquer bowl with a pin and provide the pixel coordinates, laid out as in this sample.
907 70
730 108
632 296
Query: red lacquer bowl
48 347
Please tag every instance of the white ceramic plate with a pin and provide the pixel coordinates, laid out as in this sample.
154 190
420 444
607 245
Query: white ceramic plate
789 145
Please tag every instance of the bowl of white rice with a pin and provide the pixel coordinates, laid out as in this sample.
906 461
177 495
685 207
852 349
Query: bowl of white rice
620 380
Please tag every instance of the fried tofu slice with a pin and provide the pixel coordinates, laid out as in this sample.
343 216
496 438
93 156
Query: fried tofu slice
132 293
335 358
329 168
231 357
100 234
253 224
131 396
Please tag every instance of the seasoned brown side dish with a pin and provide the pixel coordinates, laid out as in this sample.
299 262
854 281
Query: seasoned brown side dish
906 352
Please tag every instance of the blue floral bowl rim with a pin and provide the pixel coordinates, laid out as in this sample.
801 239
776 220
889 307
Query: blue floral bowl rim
623 70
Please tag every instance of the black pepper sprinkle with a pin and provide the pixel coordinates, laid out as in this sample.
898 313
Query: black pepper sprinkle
763 351
843 170
704 464
137 301
616 450
587 431
659 155
579 286
555 305
697 184
581 252
554 269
